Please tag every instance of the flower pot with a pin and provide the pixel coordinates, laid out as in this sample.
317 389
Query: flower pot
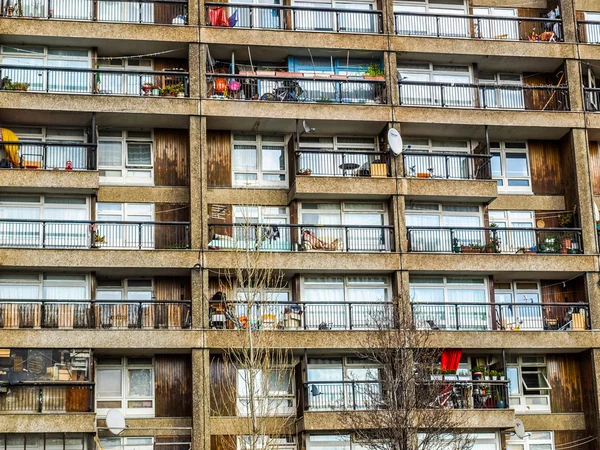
289 74
181 94
563 250
437 377
502 378
499 404
477 375
486 377
368 77
156 92
494 378
450 377
464 378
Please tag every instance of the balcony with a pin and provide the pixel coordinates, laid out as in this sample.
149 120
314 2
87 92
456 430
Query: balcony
478 27
494 240
293 18
447 166
295 88
465 395
588 32
325 163
127 11
95 314
300 238
53 155
302 316
484 96
343 395
591 97
94 81
45 397
501 316
83 234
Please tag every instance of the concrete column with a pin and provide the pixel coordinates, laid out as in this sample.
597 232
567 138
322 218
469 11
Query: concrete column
196 191
593 293
193 12
403 297
579 140
391 77
201 399
387 7
573 75
202 70
567 13
199 280
194 58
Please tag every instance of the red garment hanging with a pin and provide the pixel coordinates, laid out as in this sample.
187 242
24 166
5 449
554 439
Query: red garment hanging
218 17
450 358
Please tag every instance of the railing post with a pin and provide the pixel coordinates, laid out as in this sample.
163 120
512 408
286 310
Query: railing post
479 28
353 394
187 236
140 235
346 229
337 21
42 314
44 155
95 10
350 316
537 241
442 96
447 167
185 14
139 318
495 246
452 238
500 316
484 97
294 19
251 15
47 79
43 234
92 325
40 399
456 314
437 26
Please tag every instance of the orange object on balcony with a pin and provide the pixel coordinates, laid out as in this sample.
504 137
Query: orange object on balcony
11 150
220 85
423 175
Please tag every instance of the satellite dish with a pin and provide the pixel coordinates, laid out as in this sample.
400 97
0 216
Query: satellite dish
519 428
395 141
307 129
115 421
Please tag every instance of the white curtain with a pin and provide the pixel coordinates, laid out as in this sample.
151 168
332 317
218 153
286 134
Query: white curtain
69 235
20 234
19 292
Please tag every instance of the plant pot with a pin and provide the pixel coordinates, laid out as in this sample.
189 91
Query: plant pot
499 404
486 378
477 375
464 378
563 250
502 378
494 378
368 77
156 92
265 73
289 74
436 377
529 252
456 249
450 377
181 94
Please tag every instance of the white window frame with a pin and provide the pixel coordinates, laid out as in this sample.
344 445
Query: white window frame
128 443
268 442
126 168
518 401
426 26
518 236
533 438
495 27
592 29
124 398
342 211
127 80
39 280
500 79
126 236
435 166
259 172
511 316
123 287
504 178
263 399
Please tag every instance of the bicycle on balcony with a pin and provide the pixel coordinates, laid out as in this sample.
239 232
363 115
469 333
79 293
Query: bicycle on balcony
290 91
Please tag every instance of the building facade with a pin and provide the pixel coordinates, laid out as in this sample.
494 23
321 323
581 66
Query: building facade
145 145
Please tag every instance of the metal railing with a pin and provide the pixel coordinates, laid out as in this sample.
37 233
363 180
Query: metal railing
23 233
55 155
455 166
592 99
94 81
484 96
296 18
295 88
302 315
588 32
501 316
478 27
342 164
342 395
473 394
286 238
94 314
494 240
46 397
128 11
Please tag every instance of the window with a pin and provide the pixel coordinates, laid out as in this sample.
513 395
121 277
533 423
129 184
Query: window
495 28
434 299
502 90
273 391
139 12
510 167
448 75
124 235
473 441
128 443
333 442
266 442
125 157
127 289
408 24
528 384
527 316
47 441
319 21
535 440
430 165
333 295
126 384
329 384
269 237
47 286
130 83
56 80
592 30
332 164
259 160
514 239
263 307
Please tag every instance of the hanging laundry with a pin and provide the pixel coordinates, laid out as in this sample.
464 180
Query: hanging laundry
233 20
218 17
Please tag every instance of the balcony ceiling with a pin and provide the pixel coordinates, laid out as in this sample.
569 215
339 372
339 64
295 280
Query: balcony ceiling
508 275
326 127
478 132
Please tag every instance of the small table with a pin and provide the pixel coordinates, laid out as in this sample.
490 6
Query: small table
349 166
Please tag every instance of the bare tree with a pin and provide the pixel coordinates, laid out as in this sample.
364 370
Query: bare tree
403 407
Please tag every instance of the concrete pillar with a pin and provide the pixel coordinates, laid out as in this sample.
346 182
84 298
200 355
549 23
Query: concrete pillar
199 281
567 13
387 8
196 191
391 77
194 58
403 297
573 75
201 399
193 13
202 70
593 293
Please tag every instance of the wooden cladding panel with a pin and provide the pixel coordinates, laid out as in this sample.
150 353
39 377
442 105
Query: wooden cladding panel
565 379
77 399
219 285
595 167
219 158
172 288
226 442
568 172
222 388
171 236
545 161
171 158
566 439
173 390
590 406
168 64
161 442
540 100
527 28
573 291
164 13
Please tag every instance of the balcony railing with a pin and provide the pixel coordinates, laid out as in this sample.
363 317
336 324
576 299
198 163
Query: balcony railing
295 88
588 32
472 394
93 81
296 316
55 155
484 96
592 99
343 164
293 238
94 314
342 395
77 234
128 11
501 316
494 240
46 397
478 27
453 166
296 18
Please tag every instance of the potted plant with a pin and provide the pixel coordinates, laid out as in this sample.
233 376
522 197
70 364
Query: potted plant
19 86
456 248
449 375
6 83
565 221
463 375
501 376
486 375
499 400
147 88
305 172
374 72
493 375
472 248
477 372
172 90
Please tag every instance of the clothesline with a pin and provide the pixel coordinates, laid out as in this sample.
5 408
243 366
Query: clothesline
110 58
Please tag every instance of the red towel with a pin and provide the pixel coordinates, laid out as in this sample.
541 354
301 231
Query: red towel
218 17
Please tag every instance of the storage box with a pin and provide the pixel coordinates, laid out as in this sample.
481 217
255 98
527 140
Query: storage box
379 170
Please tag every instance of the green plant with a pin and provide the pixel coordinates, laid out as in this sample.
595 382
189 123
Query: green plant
448 372
565 220
476 247
477 369
375 70
172 90
6 83
19 86
493 373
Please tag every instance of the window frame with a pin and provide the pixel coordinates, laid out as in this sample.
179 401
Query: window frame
518 401
124 289
41 282
125 179
502 150
269 396
343 211
513 442
260 182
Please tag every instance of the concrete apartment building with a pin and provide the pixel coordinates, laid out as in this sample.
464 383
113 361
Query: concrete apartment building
145 143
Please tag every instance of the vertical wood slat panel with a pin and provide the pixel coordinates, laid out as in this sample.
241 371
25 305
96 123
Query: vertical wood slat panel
546 176
565 380
77 399
172 288
219 158
595 167
224 442
590 406
222 388
566 438
568 172
171 158
539 100
173 391
170 236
